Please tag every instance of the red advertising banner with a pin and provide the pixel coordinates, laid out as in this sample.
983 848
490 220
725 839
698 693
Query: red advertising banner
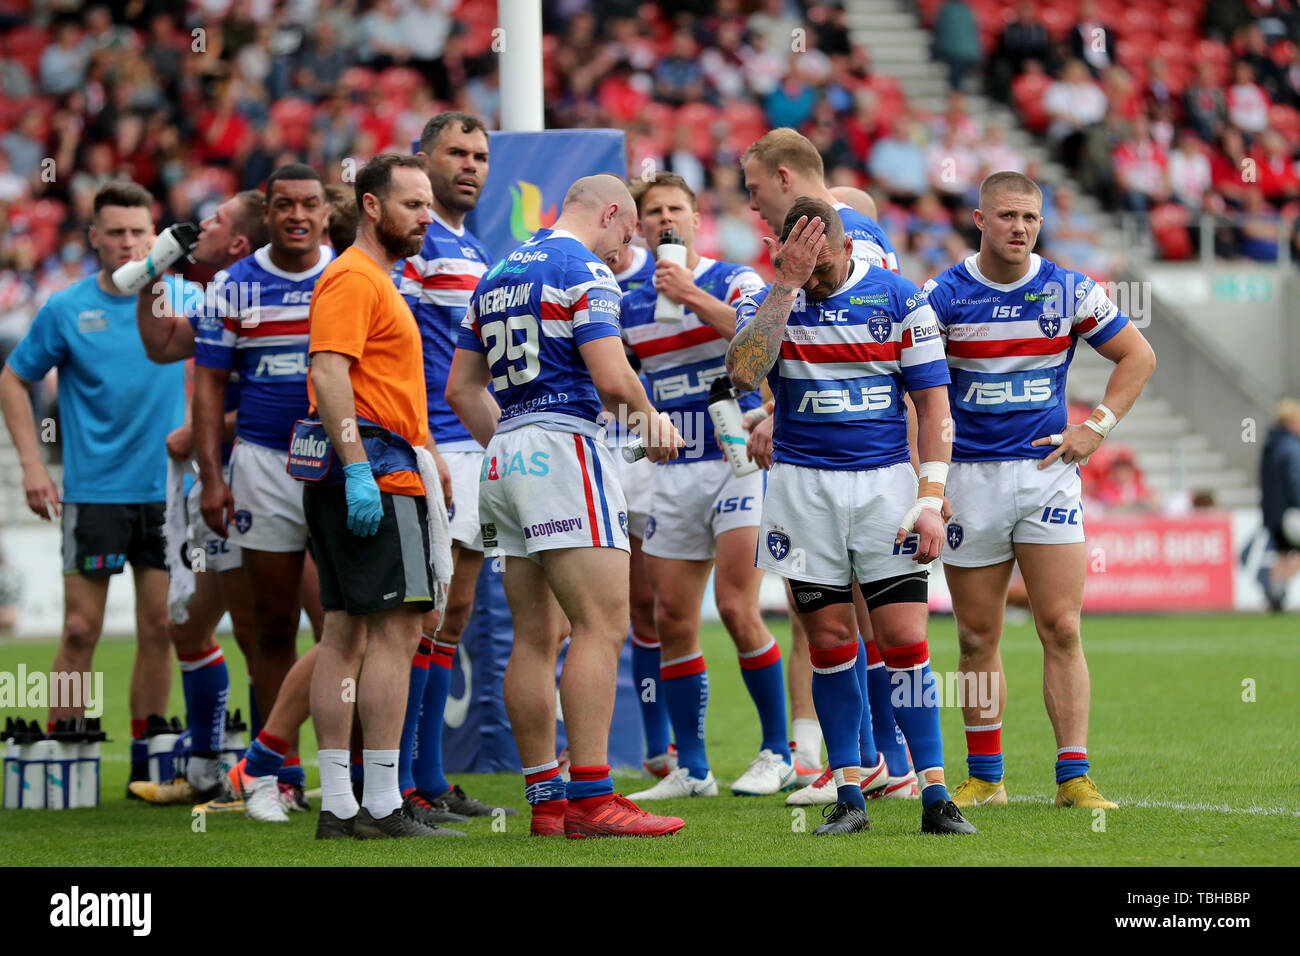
1159 564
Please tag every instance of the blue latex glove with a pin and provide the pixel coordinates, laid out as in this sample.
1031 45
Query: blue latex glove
365 509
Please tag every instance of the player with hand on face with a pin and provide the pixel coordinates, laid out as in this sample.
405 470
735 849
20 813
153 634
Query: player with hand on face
839 342
1011 321
780 167
701 513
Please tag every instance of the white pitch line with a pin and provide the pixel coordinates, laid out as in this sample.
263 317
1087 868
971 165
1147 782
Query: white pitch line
1164 805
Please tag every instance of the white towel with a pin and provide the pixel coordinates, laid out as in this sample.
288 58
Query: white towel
180 576
439 528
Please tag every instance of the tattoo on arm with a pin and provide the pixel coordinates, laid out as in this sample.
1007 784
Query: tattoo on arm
755 349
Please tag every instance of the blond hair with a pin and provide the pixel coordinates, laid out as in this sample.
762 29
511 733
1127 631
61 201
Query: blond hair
1287 411
789 148
1008 181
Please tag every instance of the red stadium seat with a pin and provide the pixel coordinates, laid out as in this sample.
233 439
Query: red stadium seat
1169 223
357 79
1027 91
1286 120
699 118
26 44
293 117
397 83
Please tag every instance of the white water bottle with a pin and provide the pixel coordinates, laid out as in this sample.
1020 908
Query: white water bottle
13 779
39 756
160 757
176 241
724 409
88 764
673 249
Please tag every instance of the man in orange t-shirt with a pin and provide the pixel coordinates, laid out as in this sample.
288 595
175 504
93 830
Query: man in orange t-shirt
370 535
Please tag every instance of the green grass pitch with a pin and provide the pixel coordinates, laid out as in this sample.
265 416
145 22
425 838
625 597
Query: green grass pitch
1203 776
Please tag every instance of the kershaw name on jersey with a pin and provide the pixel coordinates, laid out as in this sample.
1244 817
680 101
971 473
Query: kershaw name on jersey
869 240
529 314
437 285
1009 349
679 361
844 365
255 324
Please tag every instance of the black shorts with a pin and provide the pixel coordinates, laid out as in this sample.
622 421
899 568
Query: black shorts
363 575
99 539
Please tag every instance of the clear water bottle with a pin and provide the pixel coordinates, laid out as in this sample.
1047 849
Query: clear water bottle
724 409
175 242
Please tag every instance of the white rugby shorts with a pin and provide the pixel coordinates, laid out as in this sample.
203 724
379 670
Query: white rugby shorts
822 526
636 479
694 502
220 554
996 504
268 503
541 489
464 467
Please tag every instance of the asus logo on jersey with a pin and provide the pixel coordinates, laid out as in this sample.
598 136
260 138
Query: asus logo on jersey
1004 393
283 363
297 297
1006 311
670 387
837 400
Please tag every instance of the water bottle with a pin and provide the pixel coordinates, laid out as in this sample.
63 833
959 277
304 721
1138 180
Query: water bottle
634 450
724 409
60 792
673 249
161 743
13 775
176 241
40 754
235 743
88 763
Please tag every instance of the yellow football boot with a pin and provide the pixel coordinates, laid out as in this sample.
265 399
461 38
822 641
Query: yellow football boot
173 791
1082 792
975 792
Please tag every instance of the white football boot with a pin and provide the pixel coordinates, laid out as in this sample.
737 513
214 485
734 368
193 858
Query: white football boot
769 773
678 783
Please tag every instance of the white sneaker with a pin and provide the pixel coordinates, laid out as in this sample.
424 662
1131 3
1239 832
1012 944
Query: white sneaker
262 801
807 768
768 774
678 783
901 788
874 779
820 791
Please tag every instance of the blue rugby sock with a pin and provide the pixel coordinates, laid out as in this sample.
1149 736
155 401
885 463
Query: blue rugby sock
916 708
685 686
837 697
205 682
654 713
414 704
761 671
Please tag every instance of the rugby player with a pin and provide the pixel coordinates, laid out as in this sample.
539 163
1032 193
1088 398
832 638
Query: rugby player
256 324
700 512
778 168
116 409
437 283
545 335
167 329
840 341
1011 321
634 266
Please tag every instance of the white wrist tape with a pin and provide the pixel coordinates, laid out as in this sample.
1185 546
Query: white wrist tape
1105 423
909 520
753 417
934 471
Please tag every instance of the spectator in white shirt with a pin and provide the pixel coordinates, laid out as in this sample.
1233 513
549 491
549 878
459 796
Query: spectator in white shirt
1189 170
1247 102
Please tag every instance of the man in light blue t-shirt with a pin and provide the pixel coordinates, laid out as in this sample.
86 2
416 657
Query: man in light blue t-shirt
116 409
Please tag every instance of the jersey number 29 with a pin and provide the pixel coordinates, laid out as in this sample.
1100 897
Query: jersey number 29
500 338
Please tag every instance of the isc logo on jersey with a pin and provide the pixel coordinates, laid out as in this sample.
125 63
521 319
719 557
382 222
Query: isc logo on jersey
282 363
1035 390
837 401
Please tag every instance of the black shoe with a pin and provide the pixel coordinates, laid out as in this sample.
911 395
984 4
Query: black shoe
396 824
330 827
843 818
456 800
428 810
945 818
